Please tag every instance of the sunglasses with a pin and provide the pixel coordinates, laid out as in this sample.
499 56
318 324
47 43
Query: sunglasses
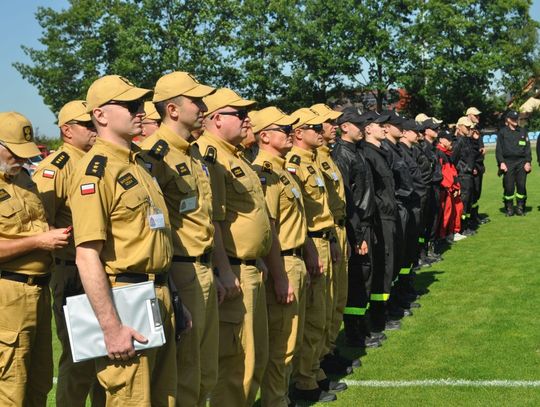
88 125
282 129
315 127
133 106
241 114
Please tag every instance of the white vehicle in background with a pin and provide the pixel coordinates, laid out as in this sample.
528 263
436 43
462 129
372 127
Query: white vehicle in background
32 164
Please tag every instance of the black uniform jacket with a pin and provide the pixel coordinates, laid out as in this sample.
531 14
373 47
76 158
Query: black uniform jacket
383 181
403 181
513 145
359 192
464 155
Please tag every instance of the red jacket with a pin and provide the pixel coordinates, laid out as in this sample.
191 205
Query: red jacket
449 171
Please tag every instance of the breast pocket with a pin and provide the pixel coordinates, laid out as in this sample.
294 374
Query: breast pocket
315 186
185 185
136 203
242 185
11 213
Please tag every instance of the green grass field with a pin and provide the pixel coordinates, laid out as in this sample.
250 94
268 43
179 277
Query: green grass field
478 322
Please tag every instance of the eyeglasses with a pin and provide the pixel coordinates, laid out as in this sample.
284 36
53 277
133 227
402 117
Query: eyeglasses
315 127
133 106
282 129
241 114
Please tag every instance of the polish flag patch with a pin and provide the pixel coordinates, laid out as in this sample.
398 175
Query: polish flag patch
48 174
88 189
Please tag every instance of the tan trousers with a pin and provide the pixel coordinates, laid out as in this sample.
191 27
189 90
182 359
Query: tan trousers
285 329
307 369
340 282
26 366
243 342
75 380
197 350
148 379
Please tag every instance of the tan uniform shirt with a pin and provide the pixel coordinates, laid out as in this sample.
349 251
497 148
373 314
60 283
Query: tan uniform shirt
334 183
22 215
303 164
283 199
52 177
238 199
183 177
112 197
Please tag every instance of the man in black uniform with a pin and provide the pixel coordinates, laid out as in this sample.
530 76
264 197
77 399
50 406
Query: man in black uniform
513 154
360 210
464 157
431 216
478 144
384 251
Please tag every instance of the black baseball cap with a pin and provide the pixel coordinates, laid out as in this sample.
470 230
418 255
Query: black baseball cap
447 134
512 115
352 115
411 125
394 117
430 124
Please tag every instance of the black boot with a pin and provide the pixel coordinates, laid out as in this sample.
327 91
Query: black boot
520 209
509 206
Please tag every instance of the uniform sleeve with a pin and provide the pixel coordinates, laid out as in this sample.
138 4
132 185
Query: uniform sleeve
91 200
52 190
271 195
498 148
528 155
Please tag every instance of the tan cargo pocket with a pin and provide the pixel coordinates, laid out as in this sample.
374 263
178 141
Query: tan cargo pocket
123 380
9 366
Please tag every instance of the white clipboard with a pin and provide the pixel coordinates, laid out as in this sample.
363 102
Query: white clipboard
137 307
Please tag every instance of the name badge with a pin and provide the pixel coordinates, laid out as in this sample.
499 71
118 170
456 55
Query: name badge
522 143
295 192
188 204
334 176
320 182
156 219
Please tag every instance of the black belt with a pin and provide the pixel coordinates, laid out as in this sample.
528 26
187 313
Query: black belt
321 234
133 278
61 262
297 251
25 278
340 222
204 258
234 261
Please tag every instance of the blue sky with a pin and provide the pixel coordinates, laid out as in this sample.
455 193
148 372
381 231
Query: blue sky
19 27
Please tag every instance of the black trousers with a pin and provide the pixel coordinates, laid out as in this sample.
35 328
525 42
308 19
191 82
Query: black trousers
432 214
467 193
384 260
515 179
359 290
477 191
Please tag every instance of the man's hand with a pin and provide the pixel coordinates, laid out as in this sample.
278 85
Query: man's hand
335 252
230 283
503 167
119 342
313 262
527 167
53 239
362 249
284 291
187 317
220 290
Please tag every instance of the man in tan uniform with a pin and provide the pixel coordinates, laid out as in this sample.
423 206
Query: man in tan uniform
150 123
243 235
337 294
183 177
311 382
123 236
286 284
26 246
52 177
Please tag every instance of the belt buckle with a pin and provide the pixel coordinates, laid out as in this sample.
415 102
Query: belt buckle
151 277
30 280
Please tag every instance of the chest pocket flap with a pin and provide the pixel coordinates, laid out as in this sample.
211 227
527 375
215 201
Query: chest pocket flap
10 207
133 199
242 184
185 184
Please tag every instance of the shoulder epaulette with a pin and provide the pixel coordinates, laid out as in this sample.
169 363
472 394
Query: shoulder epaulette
96 166
295 159
210 155
267 167
159 150
60 160
4 195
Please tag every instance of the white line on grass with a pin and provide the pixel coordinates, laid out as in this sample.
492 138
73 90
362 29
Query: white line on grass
443 383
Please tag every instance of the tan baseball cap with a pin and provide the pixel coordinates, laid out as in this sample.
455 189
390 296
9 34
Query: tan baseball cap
326 111
179 84
307 116
464 121
421 117
74 110
112 87
150 112
225 97
261 119
17 135
473 110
